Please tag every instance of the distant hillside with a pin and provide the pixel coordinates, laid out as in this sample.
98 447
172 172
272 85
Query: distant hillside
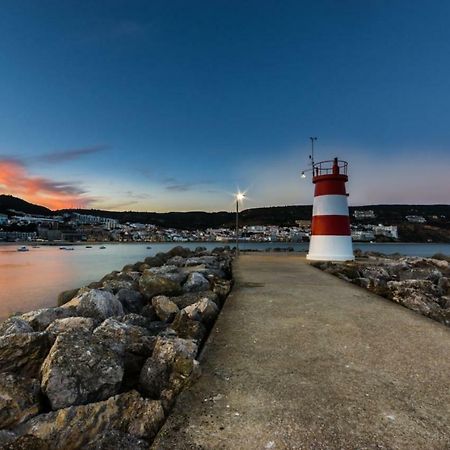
8 203
436 215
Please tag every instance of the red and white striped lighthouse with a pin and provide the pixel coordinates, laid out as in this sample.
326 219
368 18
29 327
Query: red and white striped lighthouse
331 239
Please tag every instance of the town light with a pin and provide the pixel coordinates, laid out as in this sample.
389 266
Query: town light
240 196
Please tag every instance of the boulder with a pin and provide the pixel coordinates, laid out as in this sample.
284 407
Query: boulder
80 368
27 442
23 353
123 337
221 288
173 273
178 261
136 319
19 399
77 426
192 297
184 252
187 328
132 300
196 282
40 319
114 440
153 378
172 350
157 260
66 296
204 311
70 324
151 285
165 309
149 312
15 325
98 304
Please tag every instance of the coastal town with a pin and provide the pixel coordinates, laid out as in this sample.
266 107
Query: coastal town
76 227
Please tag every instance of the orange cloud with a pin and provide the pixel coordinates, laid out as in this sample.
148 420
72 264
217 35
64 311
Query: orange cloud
15 179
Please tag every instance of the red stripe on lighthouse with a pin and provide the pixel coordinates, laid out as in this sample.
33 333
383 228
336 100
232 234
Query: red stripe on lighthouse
331 225
330 187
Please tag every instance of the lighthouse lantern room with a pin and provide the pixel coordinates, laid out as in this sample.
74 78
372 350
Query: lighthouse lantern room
330 229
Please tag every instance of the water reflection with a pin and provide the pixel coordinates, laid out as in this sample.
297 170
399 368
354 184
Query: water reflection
34 279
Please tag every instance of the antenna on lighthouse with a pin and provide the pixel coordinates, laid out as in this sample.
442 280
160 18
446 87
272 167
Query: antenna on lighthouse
311 156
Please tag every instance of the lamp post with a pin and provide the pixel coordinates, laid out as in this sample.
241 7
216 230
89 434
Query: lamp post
311 157
239 197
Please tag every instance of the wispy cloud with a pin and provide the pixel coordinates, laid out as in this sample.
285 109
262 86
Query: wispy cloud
70 154
184 187
15 180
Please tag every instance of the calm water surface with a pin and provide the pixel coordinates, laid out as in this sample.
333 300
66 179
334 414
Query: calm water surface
33 279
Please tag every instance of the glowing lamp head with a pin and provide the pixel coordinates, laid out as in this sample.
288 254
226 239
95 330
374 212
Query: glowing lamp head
303 174
240 196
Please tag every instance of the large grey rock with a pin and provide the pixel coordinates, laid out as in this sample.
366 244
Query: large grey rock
204 311
77 426
23 353
153 378
165 308
70 324
40 319
19 399
184 252
187 328
221 288
123 337
178 261
131 300
173 351
196 282
15 325
80 368
27 442
115 440
98 304
171 272
151 285
192 297
65 296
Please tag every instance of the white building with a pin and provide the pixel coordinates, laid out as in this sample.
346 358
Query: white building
416 219
363 214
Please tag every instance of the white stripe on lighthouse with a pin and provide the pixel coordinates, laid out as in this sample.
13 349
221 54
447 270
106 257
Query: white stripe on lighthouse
330 205
330 248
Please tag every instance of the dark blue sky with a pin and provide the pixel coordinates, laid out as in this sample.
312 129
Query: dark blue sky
173 104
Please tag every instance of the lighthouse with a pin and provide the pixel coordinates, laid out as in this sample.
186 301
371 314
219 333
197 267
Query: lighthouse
331 239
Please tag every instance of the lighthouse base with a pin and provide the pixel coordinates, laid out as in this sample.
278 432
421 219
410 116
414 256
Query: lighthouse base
330 248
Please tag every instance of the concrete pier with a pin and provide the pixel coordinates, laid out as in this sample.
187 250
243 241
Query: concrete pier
299 359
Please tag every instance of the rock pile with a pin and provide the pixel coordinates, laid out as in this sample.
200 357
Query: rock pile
102 369
420 284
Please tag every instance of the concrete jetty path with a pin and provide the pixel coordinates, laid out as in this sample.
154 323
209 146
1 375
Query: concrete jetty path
299 359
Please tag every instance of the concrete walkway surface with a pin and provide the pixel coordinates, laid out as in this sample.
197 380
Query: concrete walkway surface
299 359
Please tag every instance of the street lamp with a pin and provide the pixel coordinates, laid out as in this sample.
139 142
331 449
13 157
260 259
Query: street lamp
240 196
311 157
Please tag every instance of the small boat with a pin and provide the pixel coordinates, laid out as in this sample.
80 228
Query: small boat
88 246
102 247
23 249
148 248
70 248
62 248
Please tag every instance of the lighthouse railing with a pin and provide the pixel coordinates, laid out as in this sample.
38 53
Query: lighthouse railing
329 167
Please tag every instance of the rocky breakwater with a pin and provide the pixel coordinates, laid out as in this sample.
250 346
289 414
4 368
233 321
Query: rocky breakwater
420 284
103 369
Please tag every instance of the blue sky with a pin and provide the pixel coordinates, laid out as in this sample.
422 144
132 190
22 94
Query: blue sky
172 105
